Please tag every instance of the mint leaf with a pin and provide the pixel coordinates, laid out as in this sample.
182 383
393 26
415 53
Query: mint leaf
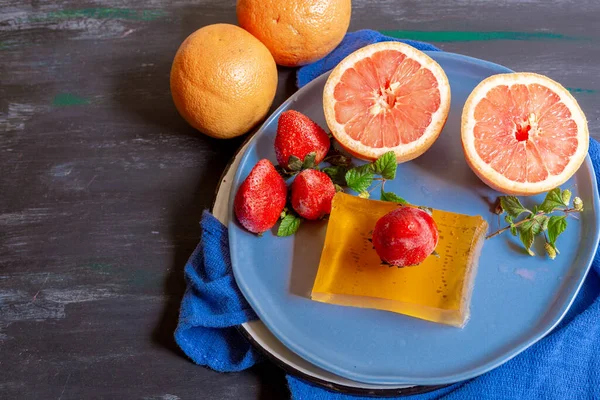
512 206
364 194
527 239
552 201
392 197
566 197
338 188
294 163
360 178
543 221
386 165
337 174
528 231
365 168
289 225
513 230
309 160
556 226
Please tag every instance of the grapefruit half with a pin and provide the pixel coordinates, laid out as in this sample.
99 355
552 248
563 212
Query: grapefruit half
384 97
523 133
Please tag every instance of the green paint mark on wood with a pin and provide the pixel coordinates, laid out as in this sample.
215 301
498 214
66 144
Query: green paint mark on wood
95 13
68 99
581 91
466 36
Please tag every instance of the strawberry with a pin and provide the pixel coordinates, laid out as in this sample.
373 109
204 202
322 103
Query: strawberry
298 135
261 198
312 192
405 236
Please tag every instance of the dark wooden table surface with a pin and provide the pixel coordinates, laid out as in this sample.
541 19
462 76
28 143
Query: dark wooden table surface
102 184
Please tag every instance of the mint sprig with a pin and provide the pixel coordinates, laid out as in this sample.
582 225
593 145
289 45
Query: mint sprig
386 165
539 220
360 179
289 225
343 175
337 174
393 197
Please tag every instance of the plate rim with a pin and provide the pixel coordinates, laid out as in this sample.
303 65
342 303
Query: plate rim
246 330
450 378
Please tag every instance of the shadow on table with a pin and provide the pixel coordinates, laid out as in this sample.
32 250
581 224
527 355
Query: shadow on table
143 93
147 98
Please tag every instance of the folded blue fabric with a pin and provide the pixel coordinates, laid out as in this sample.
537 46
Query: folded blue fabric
351 42
564 365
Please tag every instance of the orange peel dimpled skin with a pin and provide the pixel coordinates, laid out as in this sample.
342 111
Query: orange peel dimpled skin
296 32
223 80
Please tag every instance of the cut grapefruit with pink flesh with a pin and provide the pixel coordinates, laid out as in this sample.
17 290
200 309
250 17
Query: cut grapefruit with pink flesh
523 133
385 97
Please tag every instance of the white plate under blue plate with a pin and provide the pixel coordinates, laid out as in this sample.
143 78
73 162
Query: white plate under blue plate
516 301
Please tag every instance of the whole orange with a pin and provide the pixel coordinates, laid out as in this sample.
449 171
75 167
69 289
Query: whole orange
297 32
223 80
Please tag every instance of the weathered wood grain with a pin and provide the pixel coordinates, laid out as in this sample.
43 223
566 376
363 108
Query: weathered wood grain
102 183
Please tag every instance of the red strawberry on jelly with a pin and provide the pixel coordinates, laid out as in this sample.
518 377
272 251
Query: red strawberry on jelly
405 236
298 135
261 198
312 193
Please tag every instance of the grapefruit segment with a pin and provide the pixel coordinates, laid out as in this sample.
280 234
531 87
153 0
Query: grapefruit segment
387 97
523 133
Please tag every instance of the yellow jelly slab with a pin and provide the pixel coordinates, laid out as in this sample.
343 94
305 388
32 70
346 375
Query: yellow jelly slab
439 289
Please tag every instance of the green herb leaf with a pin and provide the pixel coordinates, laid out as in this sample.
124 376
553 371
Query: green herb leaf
364 194
289 225
386 165
512 206
508 219
528 231
556 226
337 174
365 168
552 201
527 240
566 197
360 178
294 163
392 197
543 221
338 188
513 229
309 160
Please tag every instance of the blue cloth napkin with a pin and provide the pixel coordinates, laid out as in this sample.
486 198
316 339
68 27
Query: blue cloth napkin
351 42
563 365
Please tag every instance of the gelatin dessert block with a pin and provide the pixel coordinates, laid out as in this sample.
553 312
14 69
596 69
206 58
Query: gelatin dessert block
439 289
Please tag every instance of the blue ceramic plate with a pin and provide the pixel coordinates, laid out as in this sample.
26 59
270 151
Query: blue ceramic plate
516 301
